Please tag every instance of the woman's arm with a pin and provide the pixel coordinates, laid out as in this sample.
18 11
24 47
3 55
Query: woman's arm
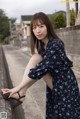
49 81
26 82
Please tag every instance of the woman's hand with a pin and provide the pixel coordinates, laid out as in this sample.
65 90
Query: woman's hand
11 91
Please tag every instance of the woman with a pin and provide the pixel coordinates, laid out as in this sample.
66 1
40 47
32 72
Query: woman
50 63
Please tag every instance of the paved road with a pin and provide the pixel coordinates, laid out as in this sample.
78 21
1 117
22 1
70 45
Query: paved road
34 104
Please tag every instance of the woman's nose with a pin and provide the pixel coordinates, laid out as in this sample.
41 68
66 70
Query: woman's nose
37 29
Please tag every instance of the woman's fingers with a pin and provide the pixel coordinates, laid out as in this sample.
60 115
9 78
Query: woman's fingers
2 90
5 90
11 94
11 91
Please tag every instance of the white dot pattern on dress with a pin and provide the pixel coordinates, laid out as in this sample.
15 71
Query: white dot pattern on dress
63 101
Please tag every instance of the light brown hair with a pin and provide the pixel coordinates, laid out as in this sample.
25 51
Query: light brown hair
35 43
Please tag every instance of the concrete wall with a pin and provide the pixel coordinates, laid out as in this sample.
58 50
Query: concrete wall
5 106
5 82
71 38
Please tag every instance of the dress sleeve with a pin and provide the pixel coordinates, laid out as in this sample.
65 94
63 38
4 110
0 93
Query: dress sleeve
47 63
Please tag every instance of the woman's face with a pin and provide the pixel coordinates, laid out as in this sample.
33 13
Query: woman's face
40 30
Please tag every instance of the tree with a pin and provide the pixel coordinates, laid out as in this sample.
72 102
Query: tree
72 17
4 25
59 20
12 24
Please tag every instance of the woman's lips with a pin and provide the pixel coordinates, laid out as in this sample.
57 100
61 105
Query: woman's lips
39 35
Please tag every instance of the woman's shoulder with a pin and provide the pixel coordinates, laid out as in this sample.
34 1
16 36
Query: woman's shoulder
56 42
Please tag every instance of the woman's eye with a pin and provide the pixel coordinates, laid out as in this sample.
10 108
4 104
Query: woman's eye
41 26
34 27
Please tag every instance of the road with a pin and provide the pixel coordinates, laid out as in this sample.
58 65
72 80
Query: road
34 103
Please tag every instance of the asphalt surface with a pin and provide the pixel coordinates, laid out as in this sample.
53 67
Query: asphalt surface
34 103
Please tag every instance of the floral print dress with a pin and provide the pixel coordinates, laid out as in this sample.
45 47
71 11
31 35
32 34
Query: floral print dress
63 101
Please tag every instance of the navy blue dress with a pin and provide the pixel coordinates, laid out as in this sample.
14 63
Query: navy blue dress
63 101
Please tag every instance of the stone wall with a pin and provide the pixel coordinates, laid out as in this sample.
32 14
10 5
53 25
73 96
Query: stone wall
71 38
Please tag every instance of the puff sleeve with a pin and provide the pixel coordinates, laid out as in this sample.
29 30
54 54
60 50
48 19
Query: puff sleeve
47 63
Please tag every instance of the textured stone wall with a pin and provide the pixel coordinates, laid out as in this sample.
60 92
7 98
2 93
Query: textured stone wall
71 38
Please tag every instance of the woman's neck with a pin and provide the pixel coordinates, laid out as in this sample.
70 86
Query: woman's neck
45 41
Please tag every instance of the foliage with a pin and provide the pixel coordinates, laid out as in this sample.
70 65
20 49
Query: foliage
12 23
4 25
6 40
59 20
72 17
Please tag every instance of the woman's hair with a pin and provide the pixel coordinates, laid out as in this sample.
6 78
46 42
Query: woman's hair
35 43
